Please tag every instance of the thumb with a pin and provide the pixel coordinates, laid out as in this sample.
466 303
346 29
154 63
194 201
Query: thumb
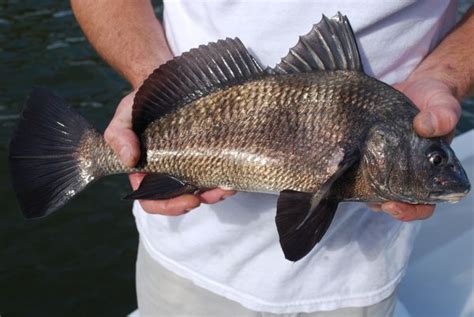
439 108
439 117
119 134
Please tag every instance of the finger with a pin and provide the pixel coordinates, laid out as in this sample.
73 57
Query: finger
125 144
215 195
440 109
171 207
439 117
136 179
120 136
420 92
375 206
407 212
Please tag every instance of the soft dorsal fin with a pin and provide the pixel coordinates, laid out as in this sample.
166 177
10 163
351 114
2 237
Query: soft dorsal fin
330 45
192 75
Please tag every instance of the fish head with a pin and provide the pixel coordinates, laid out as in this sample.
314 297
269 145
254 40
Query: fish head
402 166
438 170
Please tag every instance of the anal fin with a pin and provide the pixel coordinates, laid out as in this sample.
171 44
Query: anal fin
161 186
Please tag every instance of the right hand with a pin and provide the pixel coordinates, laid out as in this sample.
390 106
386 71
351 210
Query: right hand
439 113
125 143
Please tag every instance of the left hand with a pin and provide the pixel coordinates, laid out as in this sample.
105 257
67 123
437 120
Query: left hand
440 111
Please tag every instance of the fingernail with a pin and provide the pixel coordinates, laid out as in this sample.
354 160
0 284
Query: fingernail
375 207
124 155
426 122
393 212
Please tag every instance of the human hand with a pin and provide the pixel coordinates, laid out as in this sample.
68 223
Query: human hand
440 111
125 143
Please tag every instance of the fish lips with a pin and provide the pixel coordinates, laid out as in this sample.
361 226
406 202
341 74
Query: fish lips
450 187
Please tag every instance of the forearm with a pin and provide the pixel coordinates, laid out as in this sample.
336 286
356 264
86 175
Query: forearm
452 61
126 33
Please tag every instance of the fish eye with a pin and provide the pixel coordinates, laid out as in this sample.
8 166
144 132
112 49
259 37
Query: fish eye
437 158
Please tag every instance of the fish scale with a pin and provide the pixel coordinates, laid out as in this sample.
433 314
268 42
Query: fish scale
304 101
243 123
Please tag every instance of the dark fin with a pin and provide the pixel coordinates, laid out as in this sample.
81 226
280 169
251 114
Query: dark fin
299 235
302 219
190 76
330 45
43 154
161 186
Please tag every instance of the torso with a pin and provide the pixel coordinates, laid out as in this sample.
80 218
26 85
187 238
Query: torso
267 135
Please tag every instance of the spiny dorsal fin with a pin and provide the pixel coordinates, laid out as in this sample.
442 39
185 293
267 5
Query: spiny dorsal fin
192 75
330 45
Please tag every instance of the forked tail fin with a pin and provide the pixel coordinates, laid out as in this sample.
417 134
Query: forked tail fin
46 163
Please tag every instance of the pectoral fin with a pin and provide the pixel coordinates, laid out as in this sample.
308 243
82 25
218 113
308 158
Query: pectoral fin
303 218
300 225
161 186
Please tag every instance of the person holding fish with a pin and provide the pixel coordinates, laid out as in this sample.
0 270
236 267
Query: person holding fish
319 128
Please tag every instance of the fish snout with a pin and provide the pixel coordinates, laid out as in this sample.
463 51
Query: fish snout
452 185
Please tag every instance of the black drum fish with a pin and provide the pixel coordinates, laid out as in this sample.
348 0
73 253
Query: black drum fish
314 128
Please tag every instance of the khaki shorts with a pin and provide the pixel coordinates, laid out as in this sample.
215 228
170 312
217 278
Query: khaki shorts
163 293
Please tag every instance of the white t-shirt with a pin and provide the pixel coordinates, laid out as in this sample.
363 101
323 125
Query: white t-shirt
231 248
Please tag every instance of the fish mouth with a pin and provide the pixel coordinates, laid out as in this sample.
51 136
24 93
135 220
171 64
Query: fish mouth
433 198
448 197
452 186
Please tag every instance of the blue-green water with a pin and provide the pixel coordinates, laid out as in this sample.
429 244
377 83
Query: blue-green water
79 261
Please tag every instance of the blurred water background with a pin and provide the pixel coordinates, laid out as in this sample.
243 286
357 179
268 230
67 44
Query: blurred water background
79 262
